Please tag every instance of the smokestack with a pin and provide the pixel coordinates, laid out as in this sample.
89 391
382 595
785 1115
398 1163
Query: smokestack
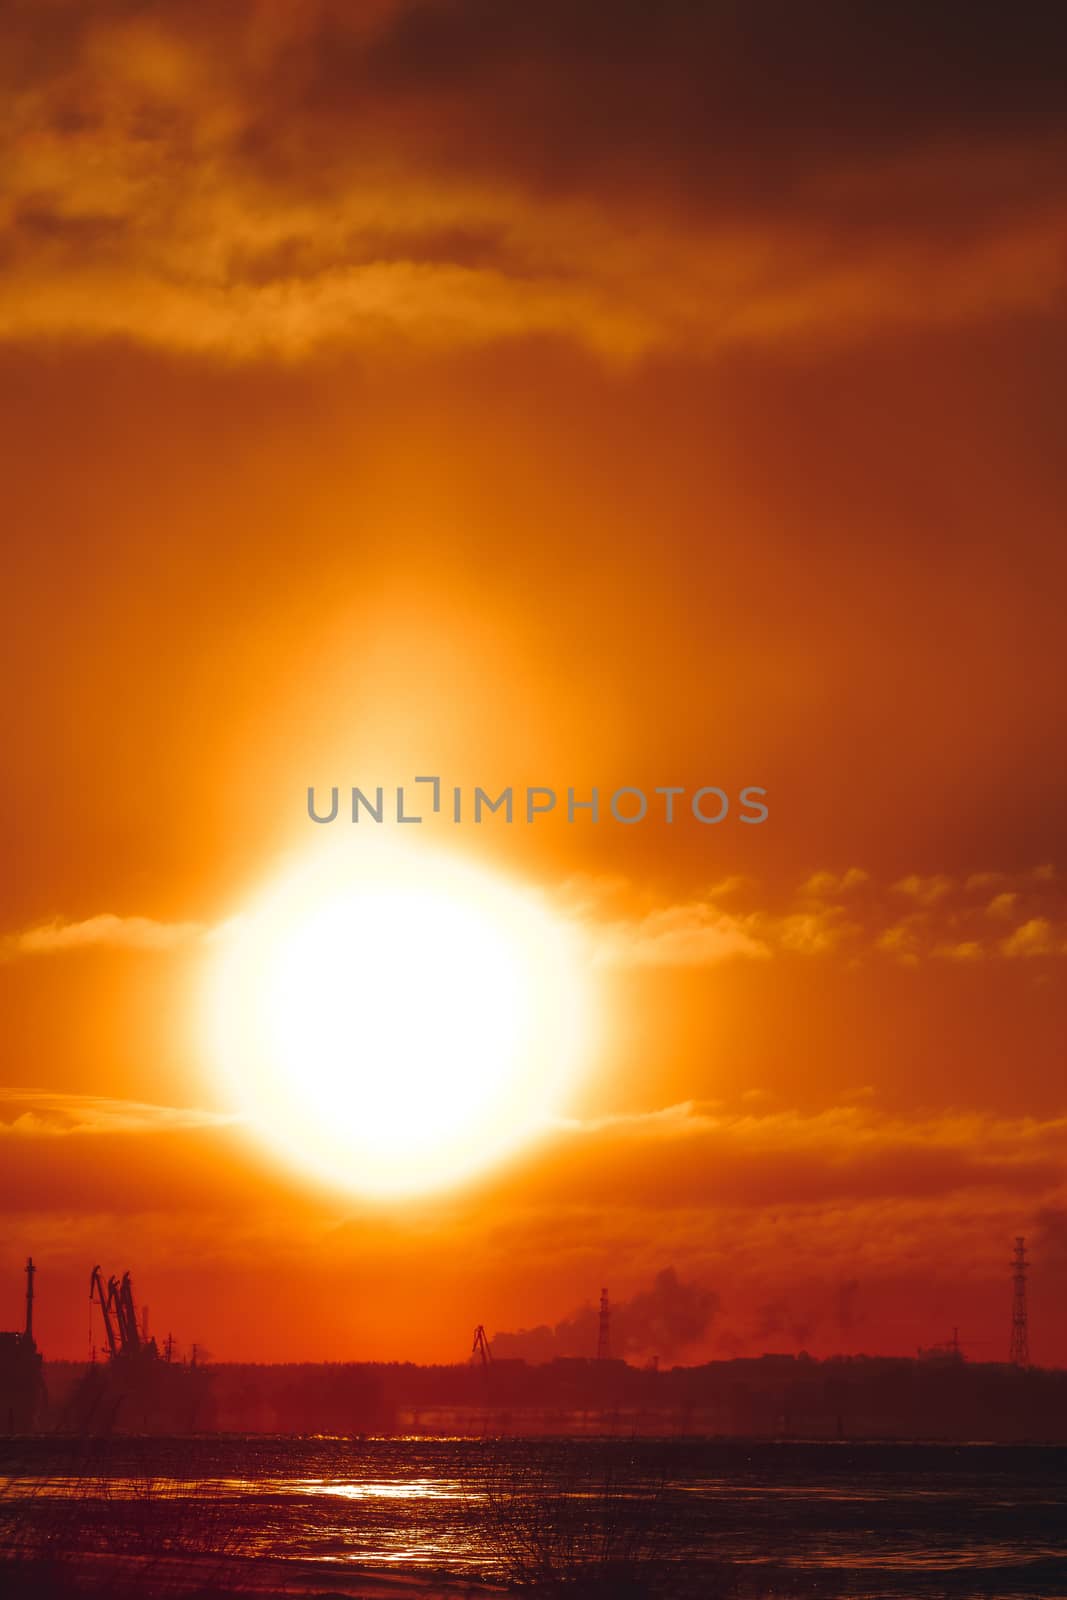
30 1270
603 1343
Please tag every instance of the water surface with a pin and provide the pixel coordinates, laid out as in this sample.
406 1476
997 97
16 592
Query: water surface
862 1521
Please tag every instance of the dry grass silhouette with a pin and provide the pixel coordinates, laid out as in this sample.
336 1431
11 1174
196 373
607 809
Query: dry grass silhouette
594 1526
82 1530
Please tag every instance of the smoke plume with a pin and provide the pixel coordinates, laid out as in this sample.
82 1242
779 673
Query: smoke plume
661 1320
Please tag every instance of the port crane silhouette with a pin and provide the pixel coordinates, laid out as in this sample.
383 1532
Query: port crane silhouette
119 1312
480 1347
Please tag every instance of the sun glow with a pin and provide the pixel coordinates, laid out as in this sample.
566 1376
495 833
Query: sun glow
392 1021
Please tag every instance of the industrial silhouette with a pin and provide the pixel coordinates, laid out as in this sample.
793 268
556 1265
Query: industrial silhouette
480 1347
141 1387
125 1339
22 1391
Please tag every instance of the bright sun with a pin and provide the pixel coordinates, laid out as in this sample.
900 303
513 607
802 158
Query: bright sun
391 1021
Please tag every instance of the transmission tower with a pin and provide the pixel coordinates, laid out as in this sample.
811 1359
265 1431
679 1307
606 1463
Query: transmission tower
603 1342
1020 1338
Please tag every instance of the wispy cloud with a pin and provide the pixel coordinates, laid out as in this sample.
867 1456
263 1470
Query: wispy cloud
847 912
924 891
783 1156
694 934
1036 937
36 1113
916 918
104 931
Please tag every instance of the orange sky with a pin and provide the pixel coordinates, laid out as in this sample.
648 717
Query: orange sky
558 395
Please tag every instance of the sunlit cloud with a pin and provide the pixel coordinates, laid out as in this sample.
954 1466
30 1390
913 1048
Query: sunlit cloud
828 913
1037 937
924 891
848 913
39 1113
104 931
774 1156
679 936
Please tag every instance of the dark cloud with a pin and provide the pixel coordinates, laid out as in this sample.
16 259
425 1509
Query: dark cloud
874 123
666 72
631 176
